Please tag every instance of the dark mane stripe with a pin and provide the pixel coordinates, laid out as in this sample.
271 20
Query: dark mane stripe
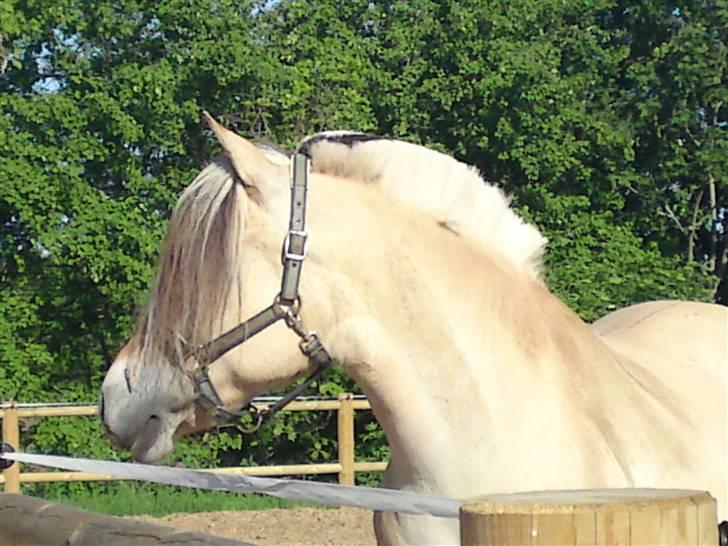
348 139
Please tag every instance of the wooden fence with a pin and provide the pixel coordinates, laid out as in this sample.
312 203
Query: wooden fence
345 467
631 517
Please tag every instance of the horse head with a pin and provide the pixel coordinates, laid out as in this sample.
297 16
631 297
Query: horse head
219 263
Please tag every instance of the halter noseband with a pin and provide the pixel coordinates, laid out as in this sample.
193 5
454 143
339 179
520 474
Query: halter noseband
286 307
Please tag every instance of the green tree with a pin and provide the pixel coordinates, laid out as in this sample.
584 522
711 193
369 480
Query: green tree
673 93
535 95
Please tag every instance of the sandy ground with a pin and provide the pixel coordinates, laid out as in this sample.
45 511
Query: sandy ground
276 527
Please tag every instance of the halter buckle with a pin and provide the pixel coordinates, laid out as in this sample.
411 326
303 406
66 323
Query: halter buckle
295 246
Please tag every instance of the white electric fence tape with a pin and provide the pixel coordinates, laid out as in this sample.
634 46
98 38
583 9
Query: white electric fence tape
384 500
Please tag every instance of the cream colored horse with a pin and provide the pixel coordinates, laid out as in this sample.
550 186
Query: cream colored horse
426 287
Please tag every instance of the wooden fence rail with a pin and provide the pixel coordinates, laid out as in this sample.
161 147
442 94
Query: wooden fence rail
27 520
345 467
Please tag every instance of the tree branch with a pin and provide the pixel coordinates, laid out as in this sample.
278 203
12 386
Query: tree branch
716 111
670 214
693 137
713 224
694 225
721 267
3 57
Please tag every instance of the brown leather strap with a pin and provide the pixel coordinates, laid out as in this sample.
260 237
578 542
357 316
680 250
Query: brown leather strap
295 246
212 350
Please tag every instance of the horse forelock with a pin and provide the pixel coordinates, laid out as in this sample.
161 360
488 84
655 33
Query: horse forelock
454 193
198 267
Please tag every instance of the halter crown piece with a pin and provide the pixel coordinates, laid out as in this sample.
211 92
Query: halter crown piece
286 306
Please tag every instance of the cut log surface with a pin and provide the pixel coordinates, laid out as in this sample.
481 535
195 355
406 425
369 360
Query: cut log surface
591 517
28 521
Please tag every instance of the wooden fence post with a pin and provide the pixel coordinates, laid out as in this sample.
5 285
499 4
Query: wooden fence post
11 435
346 438
591 517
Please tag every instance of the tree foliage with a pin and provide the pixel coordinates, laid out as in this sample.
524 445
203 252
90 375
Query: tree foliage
606 120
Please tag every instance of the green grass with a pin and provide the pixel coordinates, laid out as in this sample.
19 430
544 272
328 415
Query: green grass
127 499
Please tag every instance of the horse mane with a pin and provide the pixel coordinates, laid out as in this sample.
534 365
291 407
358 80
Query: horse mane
199 262
454 193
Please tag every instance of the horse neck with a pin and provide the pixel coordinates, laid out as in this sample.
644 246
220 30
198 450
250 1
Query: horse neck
438 333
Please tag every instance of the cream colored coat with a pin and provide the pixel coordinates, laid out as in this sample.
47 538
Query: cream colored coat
431 299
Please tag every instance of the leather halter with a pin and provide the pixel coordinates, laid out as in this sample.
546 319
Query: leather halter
286 306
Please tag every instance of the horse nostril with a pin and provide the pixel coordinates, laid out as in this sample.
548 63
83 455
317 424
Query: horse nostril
152 417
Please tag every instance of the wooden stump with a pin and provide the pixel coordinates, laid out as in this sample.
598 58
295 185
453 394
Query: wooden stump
27 521
646 517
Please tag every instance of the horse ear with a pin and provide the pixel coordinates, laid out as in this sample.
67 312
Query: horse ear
251 165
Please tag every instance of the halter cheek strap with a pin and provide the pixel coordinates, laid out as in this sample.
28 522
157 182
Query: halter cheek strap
295 245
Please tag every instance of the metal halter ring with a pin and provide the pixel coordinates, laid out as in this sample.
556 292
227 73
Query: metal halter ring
256 415
294 307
